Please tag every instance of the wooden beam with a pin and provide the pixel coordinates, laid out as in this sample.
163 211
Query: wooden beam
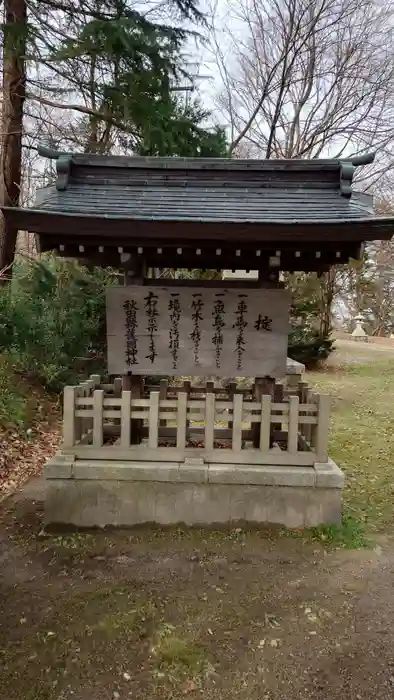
349 230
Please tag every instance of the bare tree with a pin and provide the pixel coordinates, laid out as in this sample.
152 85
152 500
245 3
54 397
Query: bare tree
367 286
306 78
313 78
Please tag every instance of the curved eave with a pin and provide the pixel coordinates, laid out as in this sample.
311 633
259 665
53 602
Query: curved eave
63 224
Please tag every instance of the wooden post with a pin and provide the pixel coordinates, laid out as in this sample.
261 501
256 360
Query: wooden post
292 435
302 390
125 420
69 416
237 423
279 390
153 434
98 398
323 425
118 385
136 387
96 379
89 385
313 399
126 382
209 420
265 423
181 421
80 392
186 388
261 386
162 397
231 393
83 425
307 429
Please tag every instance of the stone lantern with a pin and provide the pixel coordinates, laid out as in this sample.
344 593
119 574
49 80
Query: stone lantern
359 332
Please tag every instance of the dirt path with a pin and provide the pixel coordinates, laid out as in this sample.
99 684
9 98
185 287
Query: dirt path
157 615
349 352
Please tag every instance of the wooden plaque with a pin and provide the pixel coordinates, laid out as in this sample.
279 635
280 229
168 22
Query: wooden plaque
190 331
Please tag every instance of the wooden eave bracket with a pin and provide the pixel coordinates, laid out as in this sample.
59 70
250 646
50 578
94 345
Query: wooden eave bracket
63 169
346 179
63 164
348 168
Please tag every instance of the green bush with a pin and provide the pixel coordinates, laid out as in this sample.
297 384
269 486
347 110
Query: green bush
13 408
306 344
51 316
308 347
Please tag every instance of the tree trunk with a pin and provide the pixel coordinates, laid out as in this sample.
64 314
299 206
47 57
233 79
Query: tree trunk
327 293
14 92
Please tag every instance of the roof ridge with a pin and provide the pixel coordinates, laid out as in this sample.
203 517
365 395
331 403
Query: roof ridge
346 166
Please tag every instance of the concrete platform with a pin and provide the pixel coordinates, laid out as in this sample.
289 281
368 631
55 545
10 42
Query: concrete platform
87 493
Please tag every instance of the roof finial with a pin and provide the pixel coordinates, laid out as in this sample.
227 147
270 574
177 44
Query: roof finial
63 164
364 159
348 168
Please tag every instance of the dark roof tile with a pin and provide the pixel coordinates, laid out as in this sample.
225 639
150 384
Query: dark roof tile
190 203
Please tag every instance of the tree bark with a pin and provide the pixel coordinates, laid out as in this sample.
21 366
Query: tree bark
327 294
14 93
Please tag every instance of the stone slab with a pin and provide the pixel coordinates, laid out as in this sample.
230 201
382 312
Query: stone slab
101 503
262 475
139 471
59 467
329 475
294 367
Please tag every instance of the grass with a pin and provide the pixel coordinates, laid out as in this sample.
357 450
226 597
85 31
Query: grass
362 443
172 650
351 534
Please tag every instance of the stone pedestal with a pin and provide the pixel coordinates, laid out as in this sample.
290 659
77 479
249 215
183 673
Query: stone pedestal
87 493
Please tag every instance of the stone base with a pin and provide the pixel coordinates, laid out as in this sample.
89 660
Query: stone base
86 493
359 338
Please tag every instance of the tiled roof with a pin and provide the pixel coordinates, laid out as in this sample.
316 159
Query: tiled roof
251 203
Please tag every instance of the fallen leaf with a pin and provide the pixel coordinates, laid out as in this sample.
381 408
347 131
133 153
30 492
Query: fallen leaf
189 687
312 617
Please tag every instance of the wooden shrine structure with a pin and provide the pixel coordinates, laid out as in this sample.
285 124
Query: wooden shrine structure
201 446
